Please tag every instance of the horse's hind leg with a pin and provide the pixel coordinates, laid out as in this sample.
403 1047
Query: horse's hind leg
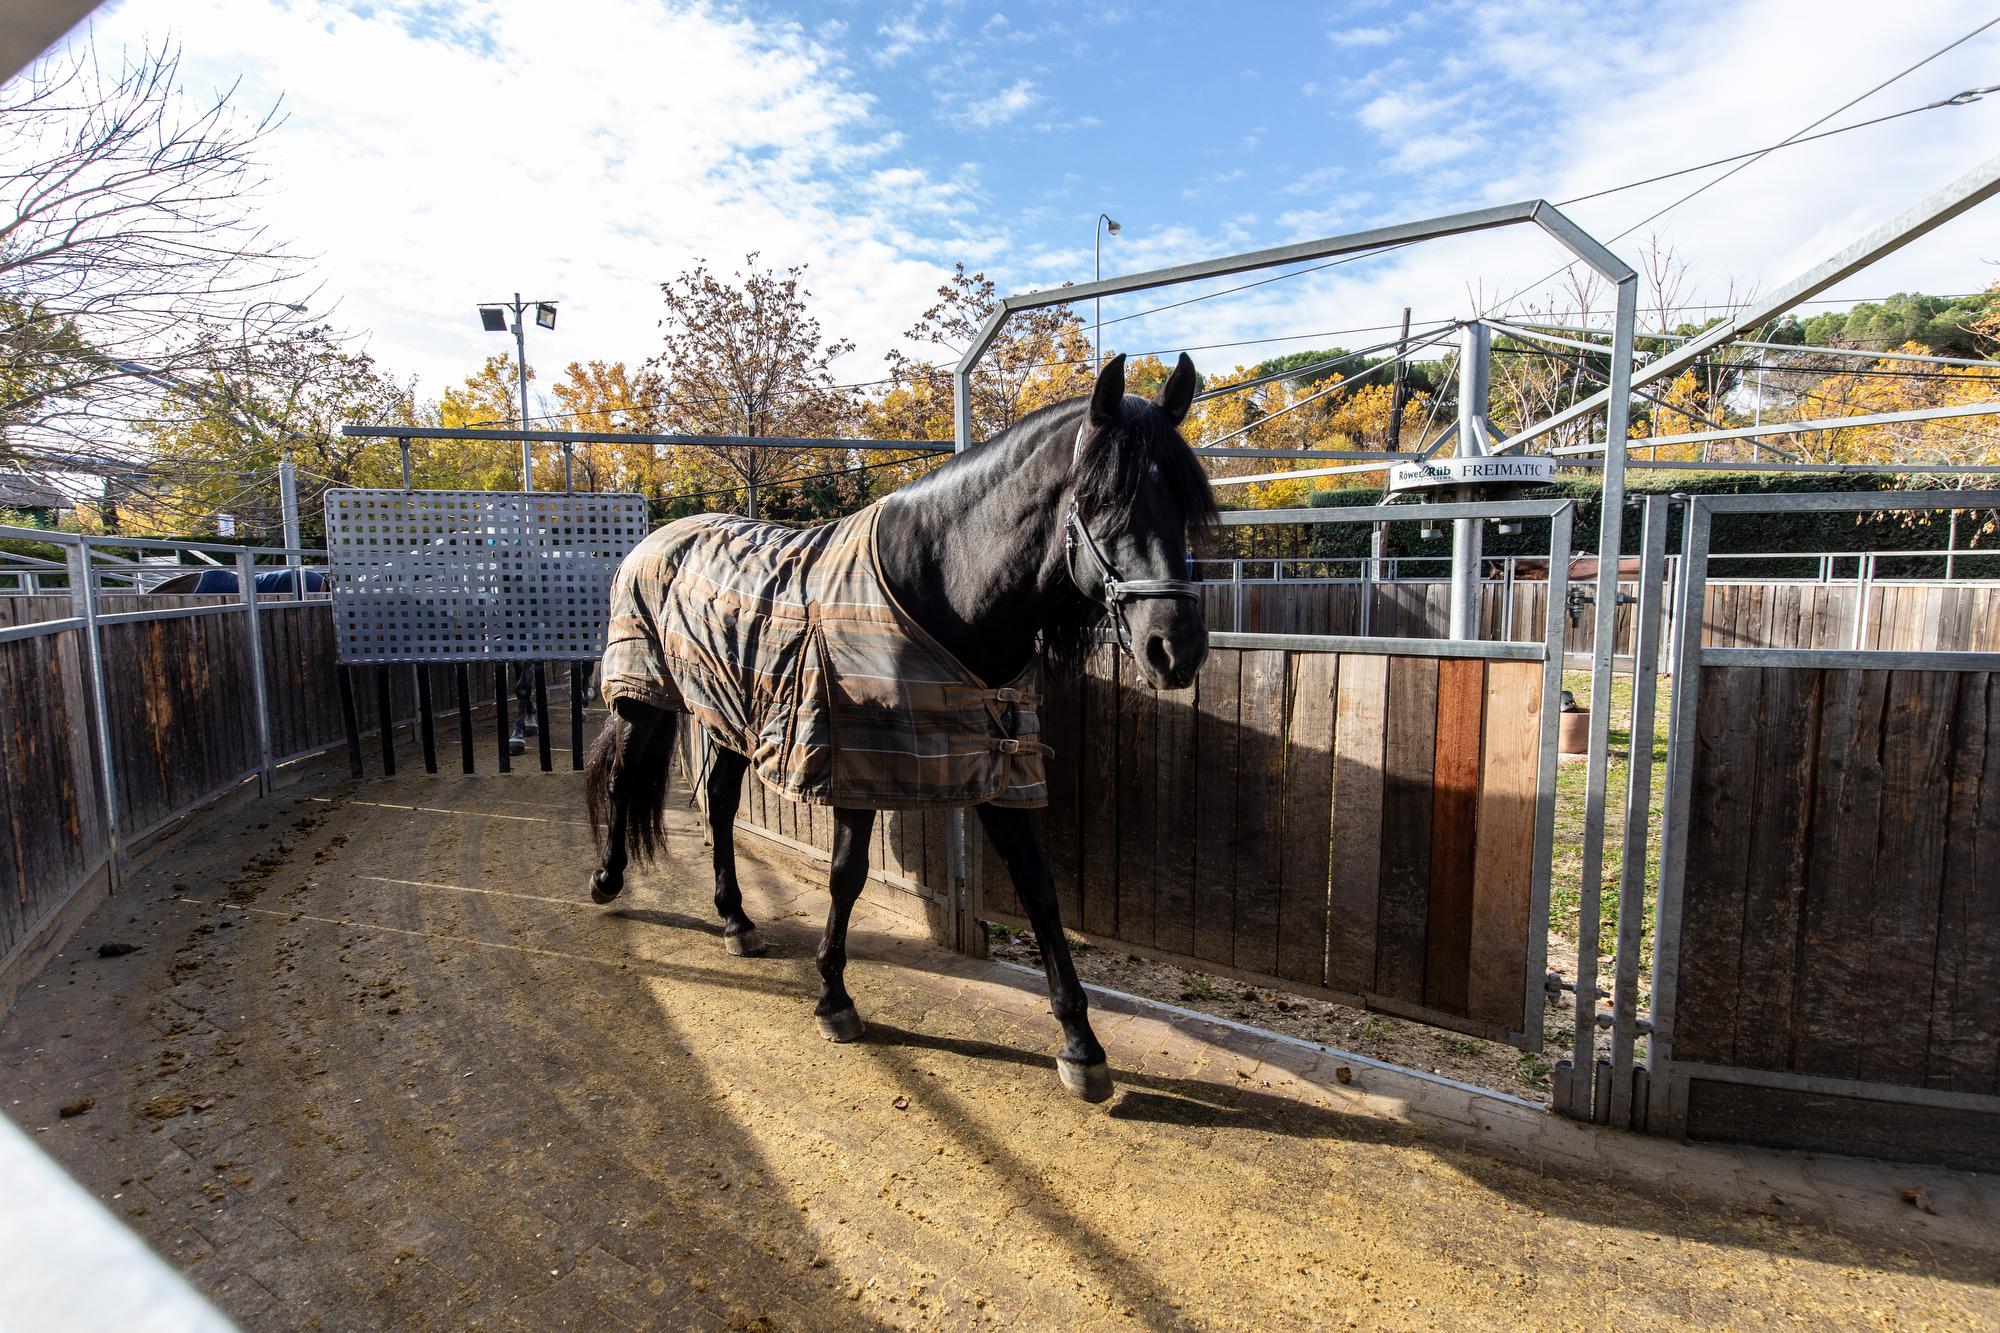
1081 1062
852 830
724 786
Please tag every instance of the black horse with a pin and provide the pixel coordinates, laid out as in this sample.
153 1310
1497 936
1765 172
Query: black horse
1080 511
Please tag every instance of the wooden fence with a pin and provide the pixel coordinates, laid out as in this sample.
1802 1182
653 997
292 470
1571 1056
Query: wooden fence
52 838
1840 917
1350 825
1921 617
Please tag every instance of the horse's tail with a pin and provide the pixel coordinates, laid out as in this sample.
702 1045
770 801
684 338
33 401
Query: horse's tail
626 778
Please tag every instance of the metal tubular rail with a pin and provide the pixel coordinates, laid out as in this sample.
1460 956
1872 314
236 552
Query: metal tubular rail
1968 191
1638 818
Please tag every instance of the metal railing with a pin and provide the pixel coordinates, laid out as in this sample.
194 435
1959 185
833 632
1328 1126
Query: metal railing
1959 565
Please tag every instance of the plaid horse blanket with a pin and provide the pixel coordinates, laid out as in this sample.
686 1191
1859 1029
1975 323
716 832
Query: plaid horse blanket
788 646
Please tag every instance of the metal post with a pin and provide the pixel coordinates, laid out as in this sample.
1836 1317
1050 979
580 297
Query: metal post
569 464
1675 830
1864 569
1236 595
1468 534
288 500
1638 813
521 349
1378 554
403 446
1610 542
83 602
246 585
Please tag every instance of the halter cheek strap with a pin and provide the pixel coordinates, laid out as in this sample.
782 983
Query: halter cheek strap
1108 590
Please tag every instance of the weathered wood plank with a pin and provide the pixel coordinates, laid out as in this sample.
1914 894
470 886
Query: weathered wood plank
1503 872
1964 1042
1461 700
1218 732
1138 799
1717 861
1063 727
1838 969
1258 828
1360 729
1307 834
1409 752
1909 871
1097 804
1776 810
1178 768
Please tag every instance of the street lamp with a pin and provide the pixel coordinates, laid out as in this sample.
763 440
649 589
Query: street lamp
493 318
1102 225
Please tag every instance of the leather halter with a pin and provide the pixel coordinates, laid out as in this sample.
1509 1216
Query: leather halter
1106 588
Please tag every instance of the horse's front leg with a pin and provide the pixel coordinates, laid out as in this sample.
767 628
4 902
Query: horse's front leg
852 831
1081 1063
725 790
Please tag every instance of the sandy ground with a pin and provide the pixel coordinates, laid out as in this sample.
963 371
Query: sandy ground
378 1062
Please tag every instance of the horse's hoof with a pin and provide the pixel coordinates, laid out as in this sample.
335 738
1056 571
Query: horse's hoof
746 944
603 888
516 745
844 1026
1092 1082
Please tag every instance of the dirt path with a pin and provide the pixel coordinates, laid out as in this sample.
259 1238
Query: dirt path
379 1062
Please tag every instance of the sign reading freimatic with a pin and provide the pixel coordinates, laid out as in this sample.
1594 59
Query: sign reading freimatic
475 576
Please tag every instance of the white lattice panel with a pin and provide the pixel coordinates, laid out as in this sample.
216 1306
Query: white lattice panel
475 576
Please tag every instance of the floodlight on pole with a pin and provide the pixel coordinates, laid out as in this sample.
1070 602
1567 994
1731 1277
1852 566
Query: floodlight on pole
493 318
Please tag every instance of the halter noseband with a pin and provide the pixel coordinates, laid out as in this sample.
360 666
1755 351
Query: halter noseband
1107 589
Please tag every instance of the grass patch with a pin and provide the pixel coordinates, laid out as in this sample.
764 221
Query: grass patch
1572 802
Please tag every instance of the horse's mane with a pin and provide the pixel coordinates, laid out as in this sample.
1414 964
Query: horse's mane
1110 467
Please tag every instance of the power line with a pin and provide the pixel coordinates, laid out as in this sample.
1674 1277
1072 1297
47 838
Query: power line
1965 98
1761 155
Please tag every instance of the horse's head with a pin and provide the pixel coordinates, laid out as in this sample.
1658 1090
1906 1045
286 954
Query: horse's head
1137 490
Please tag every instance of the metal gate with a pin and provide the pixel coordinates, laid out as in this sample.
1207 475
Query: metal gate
1827 931
443 582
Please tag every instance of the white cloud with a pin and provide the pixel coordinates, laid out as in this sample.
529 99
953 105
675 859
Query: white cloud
1371 36
584 152
984 113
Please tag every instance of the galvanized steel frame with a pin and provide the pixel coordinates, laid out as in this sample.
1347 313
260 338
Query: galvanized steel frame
1668 1078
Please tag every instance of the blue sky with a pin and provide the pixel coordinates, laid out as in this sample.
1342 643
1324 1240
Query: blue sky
448 151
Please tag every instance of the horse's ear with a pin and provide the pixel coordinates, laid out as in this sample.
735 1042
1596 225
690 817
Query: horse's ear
1177 394
1110 391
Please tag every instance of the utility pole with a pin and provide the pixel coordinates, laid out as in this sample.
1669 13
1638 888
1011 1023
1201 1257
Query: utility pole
1401 399
288 499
